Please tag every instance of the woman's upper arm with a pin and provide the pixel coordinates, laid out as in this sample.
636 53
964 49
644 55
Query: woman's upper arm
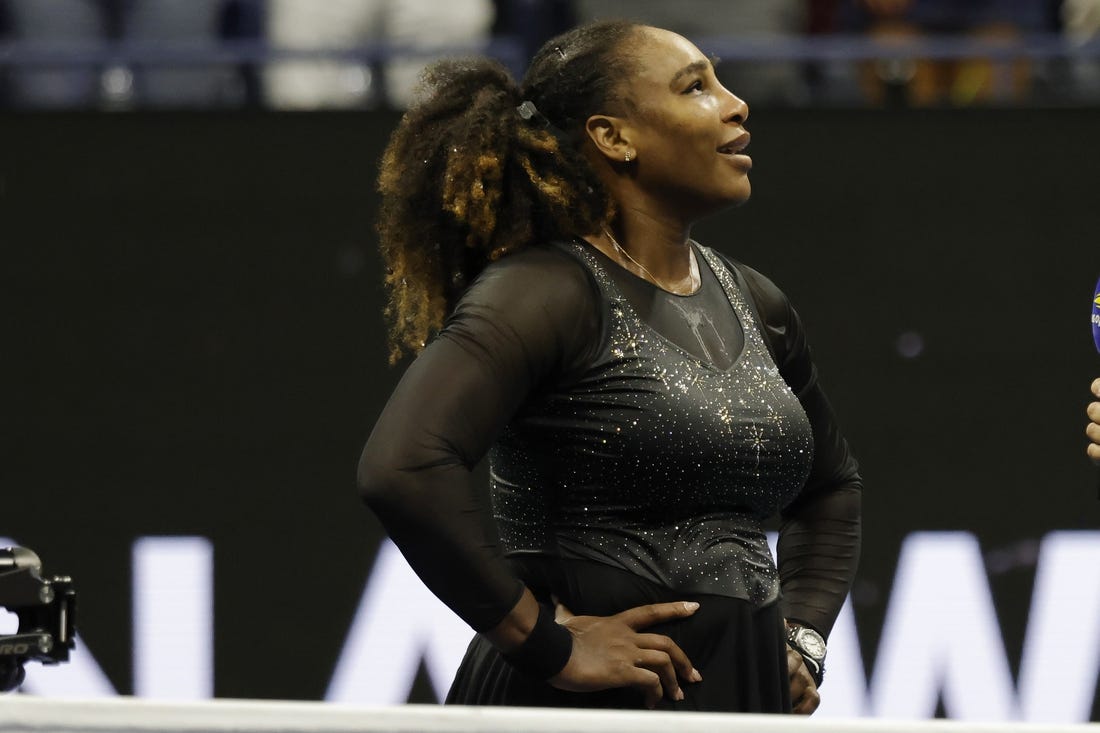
526 320
819 540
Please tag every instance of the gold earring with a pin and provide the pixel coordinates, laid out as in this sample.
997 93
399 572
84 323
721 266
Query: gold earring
627 156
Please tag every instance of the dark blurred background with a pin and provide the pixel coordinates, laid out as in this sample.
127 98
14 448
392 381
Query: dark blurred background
191 341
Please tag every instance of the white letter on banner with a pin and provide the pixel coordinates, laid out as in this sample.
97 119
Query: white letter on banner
941 634
173 595
399 622
80 677
844 694
1062 648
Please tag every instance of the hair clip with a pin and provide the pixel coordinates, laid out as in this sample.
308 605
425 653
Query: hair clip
529 113
527 110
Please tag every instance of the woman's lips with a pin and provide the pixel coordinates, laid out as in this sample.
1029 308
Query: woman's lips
732 151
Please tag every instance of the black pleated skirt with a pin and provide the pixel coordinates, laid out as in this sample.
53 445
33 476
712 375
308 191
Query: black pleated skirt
740 650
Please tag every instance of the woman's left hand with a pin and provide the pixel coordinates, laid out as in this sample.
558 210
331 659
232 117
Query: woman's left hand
804 697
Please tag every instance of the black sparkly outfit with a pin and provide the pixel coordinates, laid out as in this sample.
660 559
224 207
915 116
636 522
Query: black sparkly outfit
637 440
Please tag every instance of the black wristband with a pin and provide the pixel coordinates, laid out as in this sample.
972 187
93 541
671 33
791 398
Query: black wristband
546 649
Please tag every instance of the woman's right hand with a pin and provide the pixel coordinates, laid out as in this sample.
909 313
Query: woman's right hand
1093 428
609 651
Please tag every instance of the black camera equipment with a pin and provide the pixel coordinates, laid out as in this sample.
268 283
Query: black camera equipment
46 610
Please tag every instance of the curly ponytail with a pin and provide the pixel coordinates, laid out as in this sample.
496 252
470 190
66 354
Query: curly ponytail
465 179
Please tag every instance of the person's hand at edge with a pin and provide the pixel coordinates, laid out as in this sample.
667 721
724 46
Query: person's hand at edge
1093 428
609 651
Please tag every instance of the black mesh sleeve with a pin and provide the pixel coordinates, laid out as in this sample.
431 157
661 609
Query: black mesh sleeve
819 538
530 319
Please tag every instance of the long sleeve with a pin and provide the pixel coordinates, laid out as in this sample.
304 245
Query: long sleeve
819 538
529 321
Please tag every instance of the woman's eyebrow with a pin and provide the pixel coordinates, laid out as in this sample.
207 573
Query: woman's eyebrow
692 68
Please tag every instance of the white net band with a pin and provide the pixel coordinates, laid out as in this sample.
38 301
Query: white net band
24 714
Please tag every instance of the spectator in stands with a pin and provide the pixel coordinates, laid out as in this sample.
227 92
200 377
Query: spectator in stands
1081 23
347 24
89 24
932 82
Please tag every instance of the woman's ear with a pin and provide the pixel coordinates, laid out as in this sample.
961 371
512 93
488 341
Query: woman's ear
610 137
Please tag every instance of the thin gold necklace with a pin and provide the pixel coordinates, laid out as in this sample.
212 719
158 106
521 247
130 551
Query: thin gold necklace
621 250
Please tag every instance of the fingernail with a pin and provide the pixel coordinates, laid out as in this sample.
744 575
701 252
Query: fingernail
679 695
695 676
691 605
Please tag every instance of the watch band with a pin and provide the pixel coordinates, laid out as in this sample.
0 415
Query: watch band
811 646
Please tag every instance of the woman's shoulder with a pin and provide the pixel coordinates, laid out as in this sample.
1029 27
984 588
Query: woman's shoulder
540 301
549 272
556 257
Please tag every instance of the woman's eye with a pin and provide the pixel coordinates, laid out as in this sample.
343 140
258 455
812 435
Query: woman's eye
696 86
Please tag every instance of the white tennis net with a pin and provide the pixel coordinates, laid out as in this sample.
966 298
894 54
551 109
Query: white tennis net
25 714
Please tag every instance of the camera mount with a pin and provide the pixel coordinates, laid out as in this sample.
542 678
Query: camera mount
46 610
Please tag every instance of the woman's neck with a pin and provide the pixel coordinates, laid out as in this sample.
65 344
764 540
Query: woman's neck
654 248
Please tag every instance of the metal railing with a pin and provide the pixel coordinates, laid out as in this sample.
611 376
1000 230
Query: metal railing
511 50
1051 54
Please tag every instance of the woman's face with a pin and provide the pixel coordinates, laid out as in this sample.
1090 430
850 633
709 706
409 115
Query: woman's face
688 129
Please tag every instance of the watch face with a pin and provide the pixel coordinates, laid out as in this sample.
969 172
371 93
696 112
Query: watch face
811 642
